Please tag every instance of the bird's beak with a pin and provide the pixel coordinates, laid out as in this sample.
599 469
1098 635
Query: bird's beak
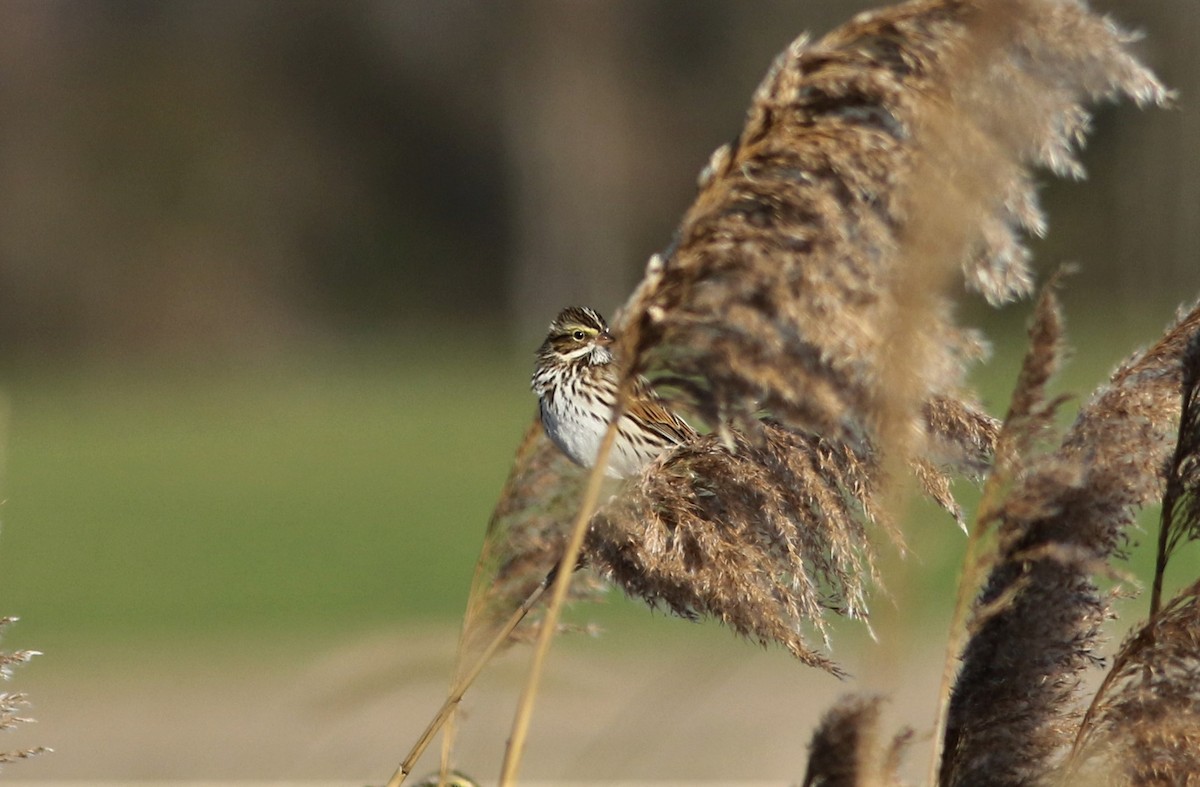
604 339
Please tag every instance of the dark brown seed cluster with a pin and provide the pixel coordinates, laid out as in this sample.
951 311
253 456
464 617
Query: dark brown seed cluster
810 279
845 751
1016 703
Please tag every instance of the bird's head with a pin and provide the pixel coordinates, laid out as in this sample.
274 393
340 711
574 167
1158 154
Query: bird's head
578 334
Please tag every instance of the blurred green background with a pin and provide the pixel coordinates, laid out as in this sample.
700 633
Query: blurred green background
271 276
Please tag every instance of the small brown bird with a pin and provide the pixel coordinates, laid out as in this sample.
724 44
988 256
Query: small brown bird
576 383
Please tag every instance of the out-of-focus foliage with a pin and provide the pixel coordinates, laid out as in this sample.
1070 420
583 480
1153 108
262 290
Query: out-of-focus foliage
180 174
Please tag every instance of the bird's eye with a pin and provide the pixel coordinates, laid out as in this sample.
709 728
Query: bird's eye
579 336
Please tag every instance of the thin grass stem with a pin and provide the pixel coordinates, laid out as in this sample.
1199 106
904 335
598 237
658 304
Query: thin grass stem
475 602
459 688
558 595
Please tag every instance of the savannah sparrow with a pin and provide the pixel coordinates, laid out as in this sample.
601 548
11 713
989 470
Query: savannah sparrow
576 384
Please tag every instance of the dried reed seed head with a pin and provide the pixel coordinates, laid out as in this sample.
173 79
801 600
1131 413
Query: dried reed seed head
1143 725
808 276
1043 358
1146 728
1125 436
845 751
961 434
961 438
1012 710
1015 704
765 537
1030 417
527 529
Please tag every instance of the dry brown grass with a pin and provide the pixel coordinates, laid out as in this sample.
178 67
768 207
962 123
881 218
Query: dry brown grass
1016 701
14 704
1143 723
1146 725
764 536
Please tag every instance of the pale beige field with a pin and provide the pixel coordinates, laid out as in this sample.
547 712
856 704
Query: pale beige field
692 705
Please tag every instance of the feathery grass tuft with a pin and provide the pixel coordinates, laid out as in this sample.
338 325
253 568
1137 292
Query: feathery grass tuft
1146 724
14 704
525 536
810 275
1143 725
1029 419
764 537
1015 704
811 279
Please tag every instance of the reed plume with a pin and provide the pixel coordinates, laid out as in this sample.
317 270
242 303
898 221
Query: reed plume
811 276
1143 725
811 279
1026 425
765 536
525 535
845 750
1015 705
522 545
1146 727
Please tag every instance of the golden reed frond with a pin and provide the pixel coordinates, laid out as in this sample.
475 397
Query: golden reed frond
524 539
1029 417
1146 727
809 277
764 537
525 534
1143 725
1015 705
